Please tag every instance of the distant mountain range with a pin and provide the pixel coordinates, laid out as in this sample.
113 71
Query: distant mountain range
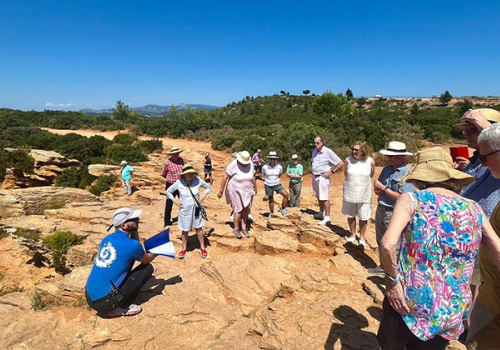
153 109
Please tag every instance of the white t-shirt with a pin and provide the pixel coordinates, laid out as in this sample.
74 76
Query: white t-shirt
272 175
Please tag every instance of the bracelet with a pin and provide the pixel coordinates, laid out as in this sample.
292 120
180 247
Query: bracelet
386 189
392 279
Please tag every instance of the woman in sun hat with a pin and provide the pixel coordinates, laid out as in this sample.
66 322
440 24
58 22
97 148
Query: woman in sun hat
171 170
428 292
357 193
188 187
272 172
241 188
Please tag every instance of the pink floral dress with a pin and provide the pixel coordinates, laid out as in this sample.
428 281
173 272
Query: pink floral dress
439 248
239 190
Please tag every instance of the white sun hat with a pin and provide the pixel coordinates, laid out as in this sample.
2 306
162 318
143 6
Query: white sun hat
396 148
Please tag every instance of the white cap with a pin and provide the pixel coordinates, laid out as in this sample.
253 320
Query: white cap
124 162
295 156
124 214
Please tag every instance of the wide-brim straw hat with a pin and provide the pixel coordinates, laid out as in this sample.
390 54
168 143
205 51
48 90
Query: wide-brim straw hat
244 158
175 150
188 169
396 148
436 165
272 155
491 115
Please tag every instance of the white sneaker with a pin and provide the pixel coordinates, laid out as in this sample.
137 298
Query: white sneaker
250 217
362 243
132 310
350 239
232 216
325 221
270 215
284 212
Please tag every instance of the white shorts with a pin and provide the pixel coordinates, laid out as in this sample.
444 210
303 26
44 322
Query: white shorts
361 210
321 187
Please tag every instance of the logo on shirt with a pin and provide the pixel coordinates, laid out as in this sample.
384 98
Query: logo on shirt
106 256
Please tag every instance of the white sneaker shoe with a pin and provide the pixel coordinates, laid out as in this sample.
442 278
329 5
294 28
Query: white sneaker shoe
325 221
350 239
132 310
270 215
250 217
284 212
362 243
232 216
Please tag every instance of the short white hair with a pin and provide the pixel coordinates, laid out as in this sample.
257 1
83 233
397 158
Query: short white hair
491 136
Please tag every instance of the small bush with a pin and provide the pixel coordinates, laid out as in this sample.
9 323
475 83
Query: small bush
3 233
75 178
59 243
124 139
116 153
150 146
37 302
103 184
28 234
20 160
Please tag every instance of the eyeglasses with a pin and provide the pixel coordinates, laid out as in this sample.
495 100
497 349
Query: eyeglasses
482 158
317 143
355 149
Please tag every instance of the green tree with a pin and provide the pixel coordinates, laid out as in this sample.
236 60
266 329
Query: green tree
121 112
445 98
349 94
306 92
331 106
283 92
414 109
465 106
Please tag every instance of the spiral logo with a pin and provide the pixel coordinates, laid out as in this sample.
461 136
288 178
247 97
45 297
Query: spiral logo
106 256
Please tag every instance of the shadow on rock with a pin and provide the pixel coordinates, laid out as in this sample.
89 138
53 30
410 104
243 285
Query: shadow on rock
348 329
155 287
379 282
359 254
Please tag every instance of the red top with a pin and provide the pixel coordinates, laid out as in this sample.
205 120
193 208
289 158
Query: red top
172 169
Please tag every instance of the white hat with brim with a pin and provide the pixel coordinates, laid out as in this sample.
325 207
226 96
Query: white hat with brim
272 155
295 156
175 150
188 169
243 157
123 163
396 148
122 215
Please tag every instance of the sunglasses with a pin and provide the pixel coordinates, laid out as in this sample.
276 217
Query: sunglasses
355 149
133 220
317 143
482 158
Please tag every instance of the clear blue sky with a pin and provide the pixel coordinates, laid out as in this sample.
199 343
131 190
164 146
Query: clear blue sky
91 53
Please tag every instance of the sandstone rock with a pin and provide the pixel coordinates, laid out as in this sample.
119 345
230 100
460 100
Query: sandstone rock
275 242
34 201
235 245
320 236
98 170
67 290
80 255
375 290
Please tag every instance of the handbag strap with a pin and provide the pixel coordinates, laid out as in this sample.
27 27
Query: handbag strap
192 194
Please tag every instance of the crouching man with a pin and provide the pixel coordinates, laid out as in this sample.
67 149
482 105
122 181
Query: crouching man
112 285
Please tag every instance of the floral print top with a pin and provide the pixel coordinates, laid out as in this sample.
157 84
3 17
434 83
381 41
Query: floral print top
439 248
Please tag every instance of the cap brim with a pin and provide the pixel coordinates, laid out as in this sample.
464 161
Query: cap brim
390 153
174 152
189 172
273 157
464 126
135 214
242 161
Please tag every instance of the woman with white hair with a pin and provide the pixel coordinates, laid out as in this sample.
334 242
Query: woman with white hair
241 188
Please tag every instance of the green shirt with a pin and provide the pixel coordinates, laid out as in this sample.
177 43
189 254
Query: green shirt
295 170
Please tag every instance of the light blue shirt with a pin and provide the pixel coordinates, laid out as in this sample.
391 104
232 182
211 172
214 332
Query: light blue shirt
390 177
127 172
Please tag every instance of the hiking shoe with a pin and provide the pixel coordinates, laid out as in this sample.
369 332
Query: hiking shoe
325 221
362 243
376 271
182 254
250 217
126 311
350 239
203 253
245 233
237 233
284 212
270 215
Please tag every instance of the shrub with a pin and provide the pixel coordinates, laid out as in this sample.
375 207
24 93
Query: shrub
225 142
150 146
74 177
116 153
37 302
103 184
20 160
59 243
3 233
28 234
124 139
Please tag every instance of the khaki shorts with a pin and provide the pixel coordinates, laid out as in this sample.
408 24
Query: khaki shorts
321 187
361 210
484 330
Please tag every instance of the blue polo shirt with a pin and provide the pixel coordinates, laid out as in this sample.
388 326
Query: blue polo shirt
486 189
390 177
116 256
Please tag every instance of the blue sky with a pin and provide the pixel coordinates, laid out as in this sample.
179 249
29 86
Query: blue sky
88 54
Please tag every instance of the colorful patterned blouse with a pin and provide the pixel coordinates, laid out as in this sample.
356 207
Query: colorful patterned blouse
440 246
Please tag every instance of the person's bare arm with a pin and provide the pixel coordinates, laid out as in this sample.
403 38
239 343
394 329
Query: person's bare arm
491 241
372 168
147 258
403 212
476 117
380 188
338 166
346 165
223 184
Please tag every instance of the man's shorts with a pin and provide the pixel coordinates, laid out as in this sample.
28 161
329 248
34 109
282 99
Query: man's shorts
321 187
361 210
271 189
